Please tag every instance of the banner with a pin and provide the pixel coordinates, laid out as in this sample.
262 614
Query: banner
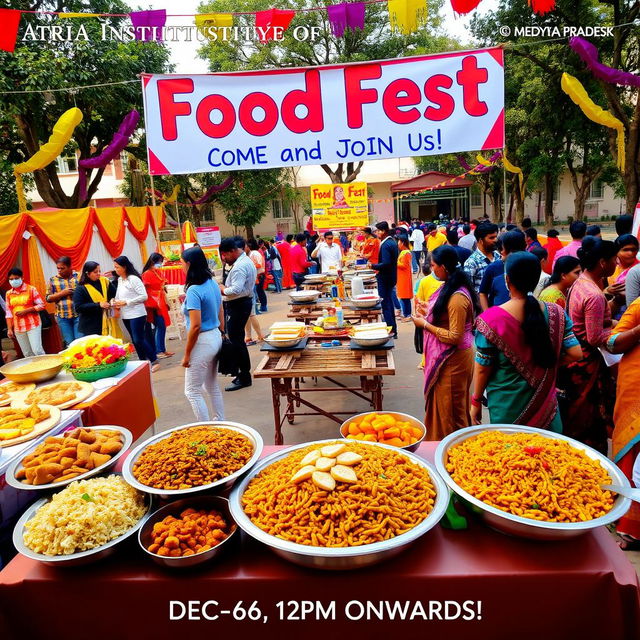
419 106
208 236
339 206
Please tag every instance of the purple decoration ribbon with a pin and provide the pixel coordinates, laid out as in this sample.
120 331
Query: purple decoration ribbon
463 163
589 55
214 188
346 15
154 18
119 141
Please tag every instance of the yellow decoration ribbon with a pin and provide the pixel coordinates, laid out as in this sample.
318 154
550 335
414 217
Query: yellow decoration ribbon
174 195
482 160
574 89
205 21
511 168
48 152
407 16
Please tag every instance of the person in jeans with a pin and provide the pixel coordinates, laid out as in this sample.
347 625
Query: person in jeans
238 292
130 298
24 304
60 291
258 260
204 319
276 266
157 306
299 261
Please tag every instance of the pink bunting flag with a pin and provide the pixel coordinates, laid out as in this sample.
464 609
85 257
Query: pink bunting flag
268 21
346 15
154 20
589 55
9 23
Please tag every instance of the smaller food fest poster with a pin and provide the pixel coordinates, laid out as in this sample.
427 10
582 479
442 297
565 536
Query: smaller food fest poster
208 236
339 206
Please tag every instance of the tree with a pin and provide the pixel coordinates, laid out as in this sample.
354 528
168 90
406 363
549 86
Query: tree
37 65
375 42
8 197
620 51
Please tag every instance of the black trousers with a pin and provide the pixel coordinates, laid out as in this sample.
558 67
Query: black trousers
238 312
298 278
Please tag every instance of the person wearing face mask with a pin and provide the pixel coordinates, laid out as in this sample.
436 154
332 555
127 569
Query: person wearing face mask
24 304
91 300
156 305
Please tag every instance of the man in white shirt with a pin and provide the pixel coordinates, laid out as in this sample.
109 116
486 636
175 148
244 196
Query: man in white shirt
417 238
329 253
468 240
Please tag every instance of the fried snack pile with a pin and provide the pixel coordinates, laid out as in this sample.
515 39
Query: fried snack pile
11 387
61 458
190 533
20 422
84 515
192 457
55 394
531 476
390 496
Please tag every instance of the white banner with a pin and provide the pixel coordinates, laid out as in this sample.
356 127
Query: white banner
419 106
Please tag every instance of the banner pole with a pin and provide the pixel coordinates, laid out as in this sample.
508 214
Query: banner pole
504 182
153 203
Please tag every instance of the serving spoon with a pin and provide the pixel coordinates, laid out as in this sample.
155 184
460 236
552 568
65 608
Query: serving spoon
627 492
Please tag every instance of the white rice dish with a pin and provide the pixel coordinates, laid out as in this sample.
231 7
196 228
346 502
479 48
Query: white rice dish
85 515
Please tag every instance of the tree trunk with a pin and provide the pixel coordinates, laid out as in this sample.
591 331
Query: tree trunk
538 207
248 229
631 187
548 200
338 177
579 202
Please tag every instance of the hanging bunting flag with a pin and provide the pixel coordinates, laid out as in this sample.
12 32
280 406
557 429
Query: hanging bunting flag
272 23
542 7
9 23
119 141
589 55
345 15
213 23
48 152
574 89
464 6
513 169
148 24
406 16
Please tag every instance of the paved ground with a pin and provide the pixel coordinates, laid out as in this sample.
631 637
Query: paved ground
252 406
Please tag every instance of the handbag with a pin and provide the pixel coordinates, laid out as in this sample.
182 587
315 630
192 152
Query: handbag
227 358
45 319
418 339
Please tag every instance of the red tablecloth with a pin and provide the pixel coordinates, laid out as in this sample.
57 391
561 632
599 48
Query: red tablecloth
128 404
173 275
583 588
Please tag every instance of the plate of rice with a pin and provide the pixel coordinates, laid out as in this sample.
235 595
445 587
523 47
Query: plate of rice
339 504
531 482
82 523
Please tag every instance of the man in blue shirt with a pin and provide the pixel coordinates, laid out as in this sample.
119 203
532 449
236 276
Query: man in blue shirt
493 288
387 268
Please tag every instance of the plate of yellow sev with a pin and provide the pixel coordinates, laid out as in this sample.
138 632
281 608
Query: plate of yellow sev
336 504
530 482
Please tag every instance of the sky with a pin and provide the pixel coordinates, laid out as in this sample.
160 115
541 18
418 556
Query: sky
184 54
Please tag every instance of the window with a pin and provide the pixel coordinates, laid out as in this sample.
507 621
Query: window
597 190
476 197
279 209
67 164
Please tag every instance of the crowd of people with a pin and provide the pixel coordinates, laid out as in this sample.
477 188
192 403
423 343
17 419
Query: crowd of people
541 333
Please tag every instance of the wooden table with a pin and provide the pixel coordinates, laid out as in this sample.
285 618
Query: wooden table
287 369
307 313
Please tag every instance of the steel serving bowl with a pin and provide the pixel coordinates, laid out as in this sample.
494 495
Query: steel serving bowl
50 367
284 344
145 533
338 558
315 277
12 469
73 559
365 301
219 485
304 296
369 342
404 417
526 527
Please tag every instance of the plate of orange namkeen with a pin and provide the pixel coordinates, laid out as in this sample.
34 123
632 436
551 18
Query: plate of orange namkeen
25 423
395 429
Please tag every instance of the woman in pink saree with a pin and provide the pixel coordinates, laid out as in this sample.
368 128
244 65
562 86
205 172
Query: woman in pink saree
447 321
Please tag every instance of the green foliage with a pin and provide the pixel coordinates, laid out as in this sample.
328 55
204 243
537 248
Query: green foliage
37 65
8 197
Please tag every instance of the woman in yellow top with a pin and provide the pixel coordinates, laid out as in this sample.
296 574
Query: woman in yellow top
404 286
91 300
625 339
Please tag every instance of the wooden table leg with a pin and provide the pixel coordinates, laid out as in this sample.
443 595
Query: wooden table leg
377 393
275 397
290 414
